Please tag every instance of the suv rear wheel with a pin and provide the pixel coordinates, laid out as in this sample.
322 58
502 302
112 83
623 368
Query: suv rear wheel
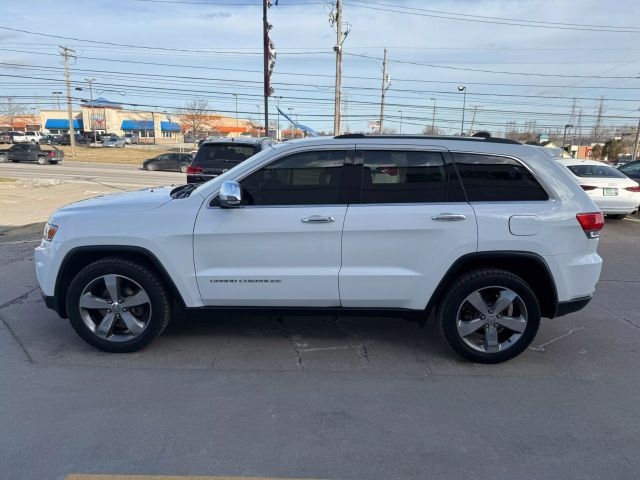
118 305
489 316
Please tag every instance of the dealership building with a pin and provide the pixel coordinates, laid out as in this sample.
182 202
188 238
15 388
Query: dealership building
103 116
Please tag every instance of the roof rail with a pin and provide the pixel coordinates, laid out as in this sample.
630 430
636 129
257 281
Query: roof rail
431 137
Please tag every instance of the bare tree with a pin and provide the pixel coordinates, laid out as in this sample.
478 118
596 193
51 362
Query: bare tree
194 114
429 130
9 110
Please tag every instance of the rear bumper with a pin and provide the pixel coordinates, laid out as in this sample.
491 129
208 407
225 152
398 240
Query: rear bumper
565 308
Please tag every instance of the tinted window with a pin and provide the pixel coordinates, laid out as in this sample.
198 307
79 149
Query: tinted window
309 178
489 178
600 171
631 168
403 177
215 153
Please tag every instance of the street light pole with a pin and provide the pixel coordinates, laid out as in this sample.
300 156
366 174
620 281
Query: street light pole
462 88
564 137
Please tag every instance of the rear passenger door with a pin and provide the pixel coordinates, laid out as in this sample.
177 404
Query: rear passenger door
513 209
411 224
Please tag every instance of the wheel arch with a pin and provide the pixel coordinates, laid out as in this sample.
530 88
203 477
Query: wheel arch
531 267
78 258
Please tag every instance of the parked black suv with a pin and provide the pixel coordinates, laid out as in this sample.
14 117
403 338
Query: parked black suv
218 155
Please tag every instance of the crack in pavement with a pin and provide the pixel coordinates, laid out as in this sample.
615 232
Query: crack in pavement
17 299
288 336
17 340
618 315
361 347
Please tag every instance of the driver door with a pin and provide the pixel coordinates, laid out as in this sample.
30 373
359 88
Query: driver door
282 246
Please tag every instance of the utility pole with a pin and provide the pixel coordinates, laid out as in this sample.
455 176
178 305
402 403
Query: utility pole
266 49
579 132
57 94
598 125
473 119
433 118
400 121
237 125
92 123
635 144
68 53
386 83
338 50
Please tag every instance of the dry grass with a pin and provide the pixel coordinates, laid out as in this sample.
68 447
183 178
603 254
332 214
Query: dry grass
135 154
7 180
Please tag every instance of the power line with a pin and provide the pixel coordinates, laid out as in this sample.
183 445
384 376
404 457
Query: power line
493 20
492 71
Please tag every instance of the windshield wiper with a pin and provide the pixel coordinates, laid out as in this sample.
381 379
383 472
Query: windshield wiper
184 191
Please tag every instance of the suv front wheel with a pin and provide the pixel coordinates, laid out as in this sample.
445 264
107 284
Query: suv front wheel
489 316
118 305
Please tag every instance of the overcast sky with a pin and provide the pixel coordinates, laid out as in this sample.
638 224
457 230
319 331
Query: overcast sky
227 38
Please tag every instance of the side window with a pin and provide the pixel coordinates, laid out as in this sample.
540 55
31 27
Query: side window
395 176
309 178
488 178
633 169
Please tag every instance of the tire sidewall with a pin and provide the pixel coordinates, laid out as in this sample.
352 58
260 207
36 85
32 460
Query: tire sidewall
482 279
3 158
160 305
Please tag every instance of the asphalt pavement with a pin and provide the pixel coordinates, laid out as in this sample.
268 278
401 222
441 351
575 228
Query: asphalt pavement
321 397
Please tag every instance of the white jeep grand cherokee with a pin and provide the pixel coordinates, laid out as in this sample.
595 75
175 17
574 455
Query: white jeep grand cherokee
489 234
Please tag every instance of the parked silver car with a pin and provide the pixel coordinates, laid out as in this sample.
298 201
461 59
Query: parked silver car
113 141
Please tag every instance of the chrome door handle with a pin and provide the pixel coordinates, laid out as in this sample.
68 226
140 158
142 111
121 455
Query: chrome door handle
449 217
318 219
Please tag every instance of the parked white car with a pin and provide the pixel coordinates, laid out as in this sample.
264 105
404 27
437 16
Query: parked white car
27 137
612 191
489 234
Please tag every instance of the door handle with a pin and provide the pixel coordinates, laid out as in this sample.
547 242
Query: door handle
449 217
318 219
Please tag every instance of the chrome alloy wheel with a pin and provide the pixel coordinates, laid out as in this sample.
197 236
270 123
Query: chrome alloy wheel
115 308
492 319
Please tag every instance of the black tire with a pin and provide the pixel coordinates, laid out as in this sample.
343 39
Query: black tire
475 280
159 298
53 162
615 217
183 168
42 160
3 158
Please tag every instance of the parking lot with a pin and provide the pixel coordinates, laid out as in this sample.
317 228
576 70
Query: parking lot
321 397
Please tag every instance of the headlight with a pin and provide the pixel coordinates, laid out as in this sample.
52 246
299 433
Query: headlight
50 231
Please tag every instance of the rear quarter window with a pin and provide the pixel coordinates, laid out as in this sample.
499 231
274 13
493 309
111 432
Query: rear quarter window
490 178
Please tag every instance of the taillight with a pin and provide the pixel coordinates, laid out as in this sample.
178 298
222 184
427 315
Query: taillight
591 223
51 153
587 188
633 189
191 170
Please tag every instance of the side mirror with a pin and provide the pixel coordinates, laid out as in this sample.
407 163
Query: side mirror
230 195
